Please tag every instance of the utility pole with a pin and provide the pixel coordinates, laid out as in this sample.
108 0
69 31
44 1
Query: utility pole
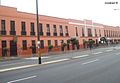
38 34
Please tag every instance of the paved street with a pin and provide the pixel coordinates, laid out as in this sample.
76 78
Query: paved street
100 65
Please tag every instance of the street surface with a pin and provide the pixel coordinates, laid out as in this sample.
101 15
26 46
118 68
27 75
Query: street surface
101 65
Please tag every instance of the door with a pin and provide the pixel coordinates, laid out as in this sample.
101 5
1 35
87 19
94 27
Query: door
33 47
4 49
13 48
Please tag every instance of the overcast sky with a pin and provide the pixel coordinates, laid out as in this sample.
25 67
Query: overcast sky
95 10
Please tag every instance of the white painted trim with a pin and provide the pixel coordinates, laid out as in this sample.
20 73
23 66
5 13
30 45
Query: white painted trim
84 24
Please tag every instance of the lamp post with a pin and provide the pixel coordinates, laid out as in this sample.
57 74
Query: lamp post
38 35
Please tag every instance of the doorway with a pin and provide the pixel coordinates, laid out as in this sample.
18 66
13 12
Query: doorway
33 47
4 49
13 48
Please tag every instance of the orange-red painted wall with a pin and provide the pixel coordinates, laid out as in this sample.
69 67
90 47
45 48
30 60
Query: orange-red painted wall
10 13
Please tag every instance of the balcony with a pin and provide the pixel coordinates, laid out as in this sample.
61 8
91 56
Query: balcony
83 35
54 34
3 32
48 33
23 32
12 32
89 35
67 34
32 33
41 33
61 34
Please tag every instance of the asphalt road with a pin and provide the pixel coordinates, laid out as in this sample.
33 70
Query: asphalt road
34 60
96 66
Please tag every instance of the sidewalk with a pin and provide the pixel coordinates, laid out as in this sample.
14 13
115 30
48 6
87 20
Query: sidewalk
51 53
9 58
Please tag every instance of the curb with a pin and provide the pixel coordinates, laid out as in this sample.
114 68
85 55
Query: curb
49 54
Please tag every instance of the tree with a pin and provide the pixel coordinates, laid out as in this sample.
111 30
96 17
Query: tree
84 43
68 44
63 46
50 47
91 42
74 42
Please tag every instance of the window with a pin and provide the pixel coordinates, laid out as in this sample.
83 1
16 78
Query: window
83 32
54 29
76 31
49 42
40 29
61 30
48 27
12 25
24 43
2 25
41 43
56 43
3 30
89 32
99 33
95 33
104 33
12 28
107 32
66 29
32 29
23 28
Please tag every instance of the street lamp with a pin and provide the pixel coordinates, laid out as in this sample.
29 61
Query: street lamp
38 35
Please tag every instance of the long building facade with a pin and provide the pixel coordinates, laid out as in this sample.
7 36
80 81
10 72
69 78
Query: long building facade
18 32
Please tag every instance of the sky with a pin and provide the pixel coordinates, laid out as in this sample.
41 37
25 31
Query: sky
95 10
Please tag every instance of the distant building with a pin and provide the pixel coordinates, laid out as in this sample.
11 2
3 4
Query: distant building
18 32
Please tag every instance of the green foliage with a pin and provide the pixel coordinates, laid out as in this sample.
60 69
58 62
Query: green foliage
50 46
68 42
64 44
91 41
72 39
84 41
76 42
